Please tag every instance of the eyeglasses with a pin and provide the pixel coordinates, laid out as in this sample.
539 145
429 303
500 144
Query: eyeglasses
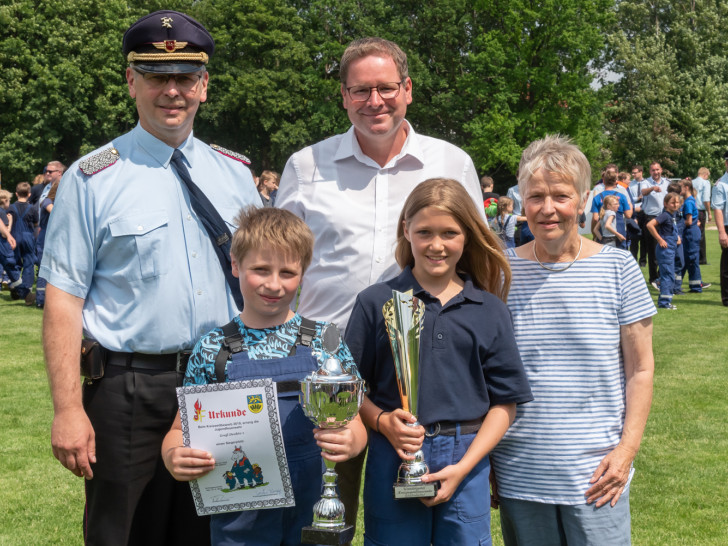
187 83
361 93
52 171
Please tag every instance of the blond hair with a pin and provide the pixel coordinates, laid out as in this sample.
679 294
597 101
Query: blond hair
503 203
608 200
270 227
373 46
482 257
703 172
269 175
560 158
5 195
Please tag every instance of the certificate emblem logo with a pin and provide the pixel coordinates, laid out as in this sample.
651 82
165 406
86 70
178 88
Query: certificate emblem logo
199 412
255 402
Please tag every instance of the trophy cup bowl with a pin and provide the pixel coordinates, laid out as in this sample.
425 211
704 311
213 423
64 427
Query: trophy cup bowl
404 317
331 398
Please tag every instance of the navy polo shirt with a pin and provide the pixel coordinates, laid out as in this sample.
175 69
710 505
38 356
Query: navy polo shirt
468 354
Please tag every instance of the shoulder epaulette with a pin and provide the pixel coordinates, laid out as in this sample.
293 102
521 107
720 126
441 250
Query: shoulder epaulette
99 161
232 155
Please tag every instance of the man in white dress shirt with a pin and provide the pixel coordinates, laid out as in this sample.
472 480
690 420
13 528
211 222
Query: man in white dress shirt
350 189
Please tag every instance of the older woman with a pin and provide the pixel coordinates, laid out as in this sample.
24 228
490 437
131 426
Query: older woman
582 318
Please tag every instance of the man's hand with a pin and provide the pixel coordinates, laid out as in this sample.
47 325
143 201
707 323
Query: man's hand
74 441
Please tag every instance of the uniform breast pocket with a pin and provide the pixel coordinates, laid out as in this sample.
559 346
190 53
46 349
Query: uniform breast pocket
139 242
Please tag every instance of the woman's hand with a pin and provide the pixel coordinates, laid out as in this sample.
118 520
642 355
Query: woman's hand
610 477
405 439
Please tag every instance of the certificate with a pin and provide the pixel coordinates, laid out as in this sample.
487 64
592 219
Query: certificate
239 424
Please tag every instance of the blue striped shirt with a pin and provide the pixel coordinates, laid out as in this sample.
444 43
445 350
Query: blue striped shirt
567 327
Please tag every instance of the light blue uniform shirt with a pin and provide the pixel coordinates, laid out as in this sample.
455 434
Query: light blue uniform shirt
128 242
514 194
652 203
636 194
702 186
720 197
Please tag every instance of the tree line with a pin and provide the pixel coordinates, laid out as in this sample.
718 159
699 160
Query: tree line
629 81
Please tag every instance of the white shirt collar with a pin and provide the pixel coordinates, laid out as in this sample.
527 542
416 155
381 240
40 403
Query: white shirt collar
349 147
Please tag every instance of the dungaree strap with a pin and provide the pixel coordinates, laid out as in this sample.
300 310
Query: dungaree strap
233 343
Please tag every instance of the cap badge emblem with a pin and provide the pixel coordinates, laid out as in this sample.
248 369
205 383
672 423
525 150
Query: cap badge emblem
166 22
170 46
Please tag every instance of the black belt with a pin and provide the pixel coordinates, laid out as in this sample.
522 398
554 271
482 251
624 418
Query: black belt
288 386
449 428
141 361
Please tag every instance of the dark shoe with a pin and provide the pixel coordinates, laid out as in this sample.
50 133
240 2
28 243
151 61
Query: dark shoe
706 285
14 294
30 299
643 263
678 293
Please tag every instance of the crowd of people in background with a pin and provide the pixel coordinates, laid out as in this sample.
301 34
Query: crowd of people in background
22 227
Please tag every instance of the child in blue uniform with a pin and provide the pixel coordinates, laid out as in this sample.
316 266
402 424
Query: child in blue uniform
7 246
24 222
270 251
664 229
691 240
470 372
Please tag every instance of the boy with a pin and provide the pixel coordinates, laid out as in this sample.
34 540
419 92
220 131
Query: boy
24 222
664 230
270 251
7 247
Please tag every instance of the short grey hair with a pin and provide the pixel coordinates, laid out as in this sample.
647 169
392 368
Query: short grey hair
559 157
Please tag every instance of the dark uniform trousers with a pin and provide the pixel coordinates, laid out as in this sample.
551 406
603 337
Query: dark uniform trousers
703 260
132 499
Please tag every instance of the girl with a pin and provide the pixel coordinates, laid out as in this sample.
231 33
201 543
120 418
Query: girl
504 224
470 372
691 240
664 230
607 221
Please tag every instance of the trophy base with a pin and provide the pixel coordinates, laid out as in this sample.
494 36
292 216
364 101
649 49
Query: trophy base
415 490
333 537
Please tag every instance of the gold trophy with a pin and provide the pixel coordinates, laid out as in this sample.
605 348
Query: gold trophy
404 316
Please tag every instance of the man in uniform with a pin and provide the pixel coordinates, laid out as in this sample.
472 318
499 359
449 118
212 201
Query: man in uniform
131 265
719 204
653 191
350 189
53 172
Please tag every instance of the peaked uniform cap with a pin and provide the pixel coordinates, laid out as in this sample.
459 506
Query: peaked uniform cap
167 42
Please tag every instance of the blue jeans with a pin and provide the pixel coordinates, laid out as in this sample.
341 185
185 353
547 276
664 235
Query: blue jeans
464 519
525 523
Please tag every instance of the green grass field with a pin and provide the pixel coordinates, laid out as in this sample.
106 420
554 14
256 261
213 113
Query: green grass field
679 494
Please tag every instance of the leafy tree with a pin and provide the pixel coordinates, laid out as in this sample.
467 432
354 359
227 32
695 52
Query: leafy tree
672 98
62 86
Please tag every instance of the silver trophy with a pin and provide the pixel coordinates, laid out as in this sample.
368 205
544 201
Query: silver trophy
404 316
331 398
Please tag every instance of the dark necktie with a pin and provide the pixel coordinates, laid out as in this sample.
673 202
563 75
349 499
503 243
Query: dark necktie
213 223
